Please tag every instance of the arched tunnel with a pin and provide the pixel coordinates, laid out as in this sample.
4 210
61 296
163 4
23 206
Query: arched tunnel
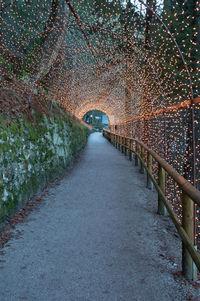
137 61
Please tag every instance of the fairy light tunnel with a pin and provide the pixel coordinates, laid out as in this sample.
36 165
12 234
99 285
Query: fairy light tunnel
136 61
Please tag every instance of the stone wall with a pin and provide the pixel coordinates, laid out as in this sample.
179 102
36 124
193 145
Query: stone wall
31 154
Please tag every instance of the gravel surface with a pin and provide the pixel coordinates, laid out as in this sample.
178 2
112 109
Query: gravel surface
95 236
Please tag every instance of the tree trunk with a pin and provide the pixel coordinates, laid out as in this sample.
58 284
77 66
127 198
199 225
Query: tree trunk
52 44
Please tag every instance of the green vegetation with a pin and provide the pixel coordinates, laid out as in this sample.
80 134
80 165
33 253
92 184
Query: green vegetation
114 55
33 154
97 119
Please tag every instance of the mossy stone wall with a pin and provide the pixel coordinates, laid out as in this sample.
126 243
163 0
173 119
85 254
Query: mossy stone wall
32 154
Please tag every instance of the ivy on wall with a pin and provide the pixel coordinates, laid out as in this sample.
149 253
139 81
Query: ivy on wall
30 155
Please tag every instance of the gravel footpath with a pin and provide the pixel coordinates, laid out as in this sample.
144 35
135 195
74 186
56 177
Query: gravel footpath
95 236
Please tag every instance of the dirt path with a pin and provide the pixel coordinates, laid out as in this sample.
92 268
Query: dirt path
96 236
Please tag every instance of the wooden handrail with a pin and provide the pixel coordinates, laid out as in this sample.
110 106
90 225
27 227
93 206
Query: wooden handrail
190 195
187 187
180 180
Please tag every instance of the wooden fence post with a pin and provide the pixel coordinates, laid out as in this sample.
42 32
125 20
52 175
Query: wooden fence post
149 165
189 270
137 151
142 154
122 146
125 147
161 182
130 149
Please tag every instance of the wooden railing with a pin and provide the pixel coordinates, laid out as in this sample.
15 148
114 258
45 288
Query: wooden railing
190 195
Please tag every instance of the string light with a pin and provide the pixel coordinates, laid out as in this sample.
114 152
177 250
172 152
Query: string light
134 72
